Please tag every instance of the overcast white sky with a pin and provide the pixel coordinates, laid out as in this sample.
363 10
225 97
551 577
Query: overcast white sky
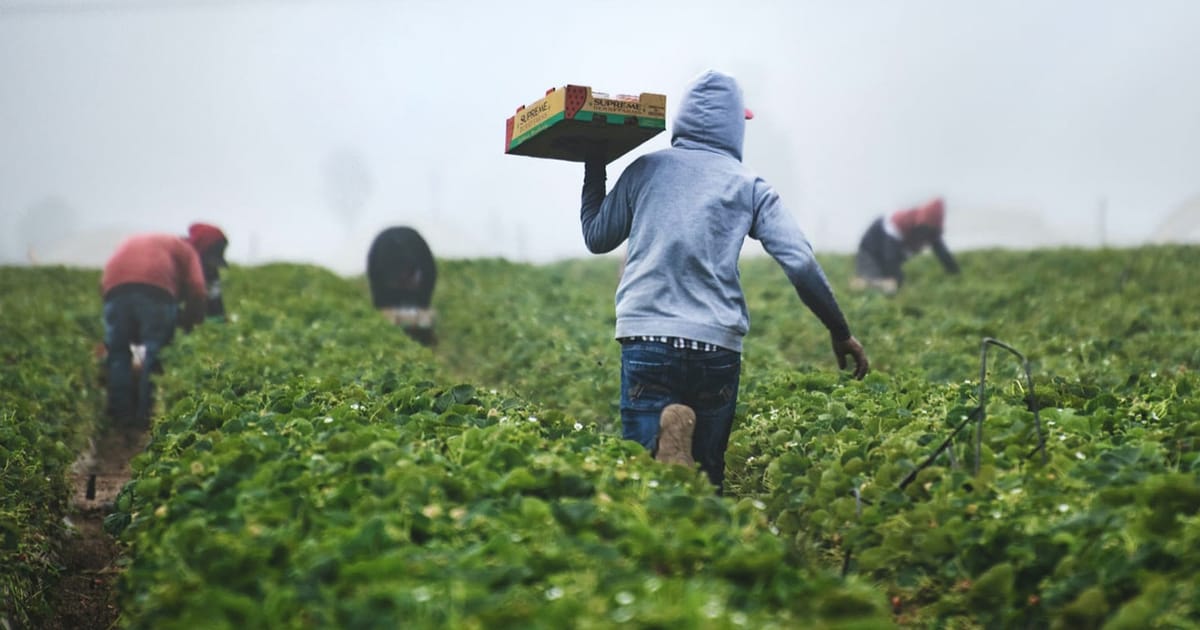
304 127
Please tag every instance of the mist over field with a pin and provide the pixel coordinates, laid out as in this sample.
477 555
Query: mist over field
304 127
448 445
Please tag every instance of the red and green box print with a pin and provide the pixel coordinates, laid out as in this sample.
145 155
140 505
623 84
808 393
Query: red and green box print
569 120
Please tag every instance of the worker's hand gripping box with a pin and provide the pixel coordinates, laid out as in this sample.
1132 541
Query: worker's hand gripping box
573 122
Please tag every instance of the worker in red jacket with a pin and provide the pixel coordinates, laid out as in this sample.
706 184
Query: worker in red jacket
890 241
143 284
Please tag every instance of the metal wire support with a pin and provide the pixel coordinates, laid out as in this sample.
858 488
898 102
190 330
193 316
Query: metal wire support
858 503
1030 398
977 416
974 415
980 412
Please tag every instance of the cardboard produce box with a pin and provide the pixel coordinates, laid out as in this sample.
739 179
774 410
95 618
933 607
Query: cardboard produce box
569 120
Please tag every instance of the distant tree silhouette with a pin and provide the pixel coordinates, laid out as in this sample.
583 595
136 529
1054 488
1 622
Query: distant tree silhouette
44 223
348 185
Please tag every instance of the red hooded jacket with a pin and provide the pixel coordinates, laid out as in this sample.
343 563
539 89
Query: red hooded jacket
164 261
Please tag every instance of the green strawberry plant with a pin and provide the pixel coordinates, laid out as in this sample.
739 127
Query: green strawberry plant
50 399
313 467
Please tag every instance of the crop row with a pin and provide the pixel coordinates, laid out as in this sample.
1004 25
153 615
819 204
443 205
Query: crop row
1105 530
313 469
49 399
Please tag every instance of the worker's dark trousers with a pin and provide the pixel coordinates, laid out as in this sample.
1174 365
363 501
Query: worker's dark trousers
135 317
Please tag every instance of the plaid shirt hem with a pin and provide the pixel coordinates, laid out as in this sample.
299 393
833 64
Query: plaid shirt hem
679 343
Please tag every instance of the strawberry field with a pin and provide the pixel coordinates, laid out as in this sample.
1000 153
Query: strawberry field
312 467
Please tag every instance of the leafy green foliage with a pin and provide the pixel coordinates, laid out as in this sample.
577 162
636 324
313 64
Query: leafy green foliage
1113 338
49 398
314 467
545 333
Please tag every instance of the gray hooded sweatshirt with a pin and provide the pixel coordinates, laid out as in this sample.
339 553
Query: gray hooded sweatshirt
686 211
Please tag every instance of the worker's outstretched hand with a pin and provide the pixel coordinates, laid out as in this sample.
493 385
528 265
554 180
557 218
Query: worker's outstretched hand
851 346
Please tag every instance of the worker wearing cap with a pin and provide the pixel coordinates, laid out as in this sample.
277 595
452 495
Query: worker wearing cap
681 314
210 242
143 284
892 240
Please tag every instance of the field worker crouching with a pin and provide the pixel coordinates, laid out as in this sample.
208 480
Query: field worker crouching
402 274
890 241
210 242
681 314
143 284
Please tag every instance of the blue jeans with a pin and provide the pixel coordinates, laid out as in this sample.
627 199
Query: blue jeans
654 375
135 317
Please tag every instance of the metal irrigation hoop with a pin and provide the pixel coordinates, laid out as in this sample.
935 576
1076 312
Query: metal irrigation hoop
977 415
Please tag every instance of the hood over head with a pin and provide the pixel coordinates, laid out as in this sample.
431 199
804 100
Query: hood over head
930 216
205 237
933 214
712 116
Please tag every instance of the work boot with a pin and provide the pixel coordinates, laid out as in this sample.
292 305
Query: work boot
675 428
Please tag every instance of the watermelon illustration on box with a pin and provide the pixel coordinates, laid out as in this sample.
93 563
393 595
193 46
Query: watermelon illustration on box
569 121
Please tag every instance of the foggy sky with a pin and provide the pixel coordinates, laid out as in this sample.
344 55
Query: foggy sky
303 128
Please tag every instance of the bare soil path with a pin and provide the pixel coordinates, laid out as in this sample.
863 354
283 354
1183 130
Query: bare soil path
85 596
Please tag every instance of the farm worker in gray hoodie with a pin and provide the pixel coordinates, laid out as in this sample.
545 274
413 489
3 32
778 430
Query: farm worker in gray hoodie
681 314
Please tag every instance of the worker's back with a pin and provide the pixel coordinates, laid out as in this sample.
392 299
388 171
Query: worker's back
400 269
